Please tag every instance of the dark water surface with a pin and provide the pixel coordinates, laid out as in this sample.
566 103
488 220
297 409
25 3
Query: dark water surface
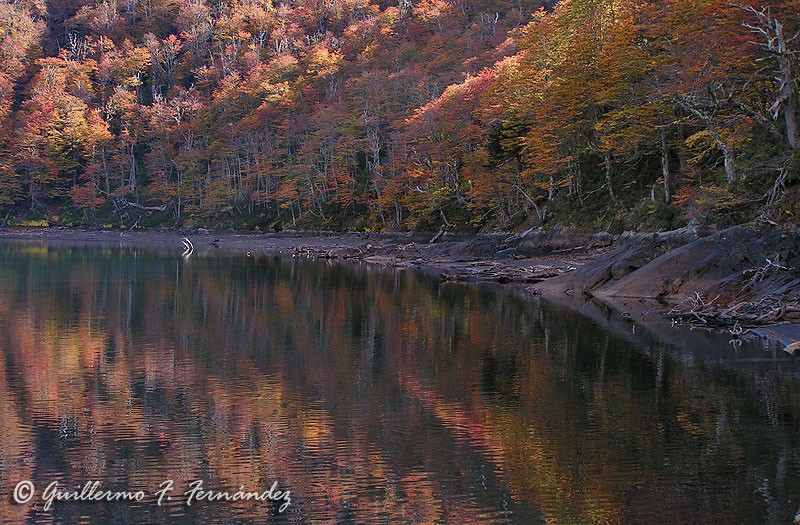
373 397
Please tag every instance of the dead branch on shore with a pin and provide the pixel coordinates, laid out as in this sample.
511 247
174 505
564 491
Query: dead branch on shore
122 203
762 272
699 311
438 236
335 252
769 309
492 271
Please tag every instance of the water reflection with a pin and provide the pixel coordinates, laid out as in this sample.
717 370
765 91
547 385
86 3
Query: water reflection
374 397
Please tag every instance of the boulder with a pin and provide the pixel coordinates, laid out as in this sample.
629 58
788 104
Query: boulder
632 251
723 264
538 241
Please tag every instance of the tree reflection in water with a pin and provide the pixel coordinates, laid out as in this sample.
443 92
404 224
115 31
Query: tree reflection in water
374 396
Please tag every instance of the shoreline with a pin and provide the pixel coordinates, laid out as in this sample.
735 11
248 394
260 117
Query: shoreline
459 258
558 272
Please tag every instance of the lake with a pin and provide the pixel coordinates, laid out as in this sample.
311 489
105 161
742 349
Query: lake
352 394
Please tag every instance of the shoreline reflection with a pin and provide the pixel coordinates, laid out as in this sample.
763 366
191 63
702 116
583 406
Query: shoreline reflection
373 396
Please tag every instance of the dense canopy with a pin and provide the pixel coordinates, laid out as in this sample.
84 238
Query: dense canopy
375 114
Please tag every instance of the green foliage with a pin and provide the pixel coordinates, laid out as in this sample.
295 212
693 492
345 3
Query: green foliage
648 215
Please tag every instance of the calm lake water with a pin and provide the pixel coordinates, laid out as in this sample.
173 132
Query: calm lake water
373 397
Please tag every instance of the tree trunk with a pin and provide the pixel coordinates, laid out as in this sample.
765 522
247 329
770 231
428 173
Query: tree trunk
730 169
665 165
607 166
105 170
771 30
787 88
132 173
727 153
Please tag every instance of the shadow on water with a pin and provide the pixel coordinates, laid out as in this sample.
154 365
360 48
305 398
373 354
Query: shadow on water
373 397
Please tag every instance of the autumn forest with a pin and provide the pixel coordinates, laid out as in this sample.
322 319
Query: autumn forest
386 115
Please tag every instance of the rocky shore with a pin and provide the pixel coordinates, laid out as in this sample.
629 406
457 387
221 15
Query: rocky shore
738 278
529 257
741 278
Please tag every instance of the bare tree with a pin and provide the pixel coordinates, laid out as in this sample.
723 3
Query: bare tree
775 43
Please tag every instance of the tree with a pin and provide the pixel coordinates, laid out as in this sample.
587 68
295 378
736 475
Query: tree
774 43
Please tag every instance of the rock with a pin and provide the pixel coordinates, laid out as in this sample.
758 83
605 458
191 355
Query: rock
509 252
741 274
602 240
381 259
479 247
633 251
536 242
785 334
712 266
793 349
343 252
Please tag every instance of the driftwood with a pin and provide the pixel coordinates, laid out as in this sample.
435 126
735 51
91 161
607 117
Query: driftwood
769 310
455 278
438 236
336 252
503 274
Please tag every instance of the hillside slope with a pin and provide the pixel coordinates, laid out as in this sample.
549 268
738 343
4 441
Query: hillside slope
428 114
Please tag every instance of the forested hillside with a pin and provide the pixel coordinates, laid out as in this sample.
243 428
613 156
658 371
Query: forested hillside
387 115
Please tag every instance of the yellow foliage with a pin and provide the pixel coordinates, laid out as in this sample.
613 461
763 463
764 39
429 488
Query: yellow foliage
36 223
